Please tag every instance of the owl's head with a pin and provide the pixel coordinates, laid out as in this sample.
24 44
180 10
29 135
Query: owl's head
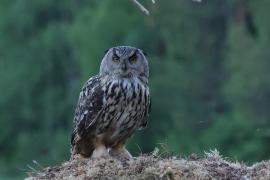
124 61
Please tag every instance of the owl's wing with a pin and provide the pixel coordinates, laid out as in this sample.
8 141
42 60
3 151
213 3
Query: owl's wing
146 113
89 106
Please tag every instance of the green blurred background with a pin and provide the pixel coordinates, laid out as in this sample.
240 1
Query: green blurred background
210 75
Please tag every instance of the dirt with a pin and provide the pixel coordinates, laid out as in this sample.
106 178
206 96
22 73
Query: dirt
211 166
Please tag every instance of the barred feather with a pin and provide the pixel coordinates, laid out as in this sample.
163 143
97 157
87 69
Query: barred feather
106 103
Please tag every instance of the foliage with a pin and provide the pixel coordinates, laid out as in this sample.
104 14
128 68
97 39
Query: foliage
209 75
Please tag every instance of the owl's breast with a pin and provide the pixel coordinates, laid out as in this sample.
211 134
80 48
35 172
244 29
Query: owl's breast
126 102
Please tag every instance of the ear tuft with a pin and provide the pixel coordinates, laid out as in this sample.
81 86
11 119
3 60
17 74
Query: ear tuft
144 53
106 51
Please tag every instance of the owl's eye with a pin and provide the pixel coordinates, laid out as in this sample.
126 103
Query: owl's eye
133 59
115 59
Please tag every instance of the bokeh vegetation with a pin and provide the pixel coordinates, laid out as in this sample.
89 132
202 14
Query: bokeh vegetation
209 63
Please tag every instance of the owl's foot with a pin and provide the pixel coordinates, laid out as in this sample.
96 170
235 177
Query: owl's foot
120 153
100 152
75 157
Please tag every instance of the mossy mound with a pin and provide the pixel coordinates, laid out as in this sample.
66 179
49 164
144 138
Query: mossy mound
211 166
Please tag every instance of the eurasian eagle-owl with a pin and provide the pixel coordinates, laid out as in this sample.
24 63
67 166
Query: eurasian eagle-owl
112 105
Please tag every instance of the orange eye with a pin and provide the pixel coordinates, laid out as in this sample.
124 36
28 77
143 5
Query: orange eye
133 59
115 59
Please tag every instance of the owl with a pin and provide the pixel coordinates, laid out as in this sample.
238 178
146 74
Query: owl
112 105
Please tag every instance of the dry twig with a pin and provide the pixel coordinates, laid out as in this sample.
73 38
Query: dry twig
141 7
144 10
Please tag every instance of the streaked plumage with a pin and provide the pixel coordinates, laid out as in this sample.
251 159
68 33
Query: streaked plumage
112 105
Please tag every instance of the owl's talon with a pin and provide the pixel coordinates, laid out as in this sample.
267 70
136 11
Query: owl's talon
100 152
121 154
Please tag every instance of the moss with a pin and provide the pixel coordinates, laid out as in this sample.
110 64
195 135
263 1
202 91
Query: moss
211 166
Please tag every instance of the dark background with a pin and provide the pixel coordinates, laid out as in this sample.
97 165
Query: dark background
209 68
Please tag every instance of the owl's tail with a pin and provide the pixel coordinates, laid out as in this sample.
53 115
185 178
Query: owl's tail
82 146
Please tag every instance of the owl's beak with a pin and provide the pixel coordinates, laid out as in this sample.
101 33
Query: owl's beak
125 71
124 67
